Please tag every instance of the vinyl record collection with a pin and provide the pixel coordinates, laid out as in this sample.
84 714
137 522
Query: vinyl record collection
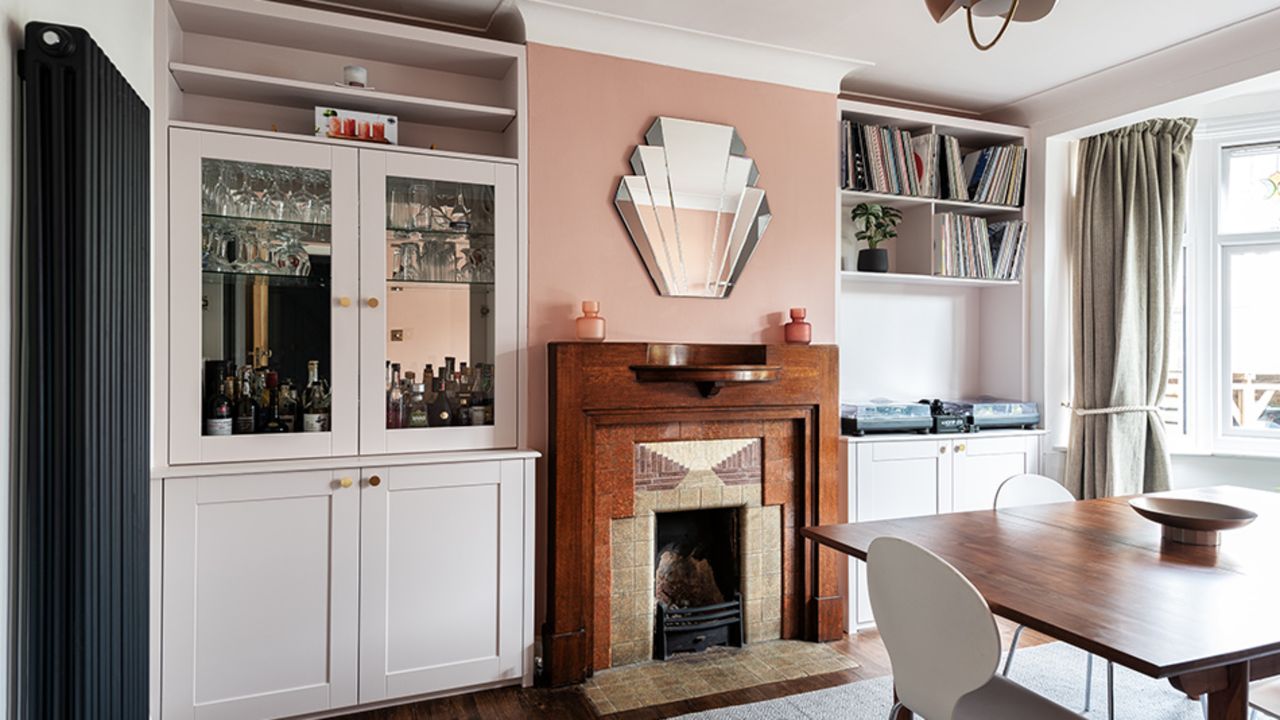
890 160
969 247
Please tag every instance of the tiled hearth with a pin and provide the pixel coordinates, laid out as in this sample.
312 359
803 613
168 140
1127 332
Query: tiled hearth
694 475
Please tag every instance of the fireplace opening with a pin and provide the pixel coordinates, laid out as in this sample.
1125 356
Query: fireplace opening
697 591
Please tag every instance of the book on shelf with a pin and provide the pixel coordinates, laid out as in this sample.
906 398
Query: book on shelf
892 161
969 247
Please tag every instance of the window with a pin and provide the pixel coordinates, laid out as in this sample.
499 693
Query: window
1223 394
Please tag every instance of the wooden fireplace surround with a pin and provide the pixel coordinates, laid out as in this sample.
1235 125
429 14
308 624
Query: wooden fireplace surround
595 391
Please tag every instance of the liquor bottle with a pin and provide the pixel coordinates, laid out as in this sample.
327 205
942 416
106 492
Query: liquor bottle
246 410
266 384
273 423
440 411
316 401
287 403
427 371
393 396
418 409
220 417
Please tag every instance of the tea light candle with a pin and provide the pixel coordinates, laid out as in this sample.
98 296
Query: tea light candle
355 75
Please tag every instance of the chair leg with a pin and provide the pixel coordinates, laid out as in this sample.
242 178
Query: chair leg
1013 646
893 711
1111 690
1088 683
1204 704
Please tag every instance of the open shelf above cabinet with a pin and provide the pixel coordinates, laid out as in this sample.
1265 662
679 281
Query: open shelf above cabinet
234 85
915 279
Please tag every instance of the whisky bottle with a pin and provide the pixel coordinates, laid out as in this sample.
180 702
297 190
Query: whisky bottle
418 409
220 417
246 410
316 401
287 402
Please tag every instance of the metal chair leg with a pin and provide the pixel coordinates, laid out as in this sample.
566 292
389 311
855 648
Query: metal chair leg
1111 690
1013 646
893 711
1204 704
1088 683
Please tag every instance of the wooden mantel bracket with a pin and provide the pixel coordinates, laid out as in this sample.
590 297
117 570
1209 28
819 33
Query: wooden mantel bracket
708 378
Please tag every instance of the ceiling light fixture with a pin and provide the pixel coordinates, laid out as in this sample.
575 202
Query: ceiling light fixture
1010 10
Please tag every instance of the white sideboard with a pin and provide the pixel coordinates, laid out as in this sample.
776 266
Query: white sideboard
899 476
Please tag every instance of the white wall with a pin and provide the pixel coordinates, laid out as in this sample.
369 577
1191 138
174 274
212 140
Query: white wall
1233 59
123 29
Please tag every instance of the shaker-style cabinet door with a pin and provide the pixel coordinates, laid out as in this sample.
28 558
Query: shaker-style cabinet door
263 326
895 479
442 577
439 303
261 596
980 464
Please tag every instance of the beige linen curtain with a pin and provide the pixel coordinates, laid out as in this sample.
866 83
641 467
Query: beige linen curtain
1130 205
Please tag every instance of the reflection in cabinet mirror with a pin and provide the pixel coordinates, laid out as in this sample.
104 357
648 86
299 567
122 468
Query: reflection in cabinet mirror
440 280
265 329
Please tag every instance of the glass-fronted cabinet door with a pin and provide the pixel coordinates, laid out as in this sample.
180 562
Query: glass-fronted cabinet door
439 302
263 325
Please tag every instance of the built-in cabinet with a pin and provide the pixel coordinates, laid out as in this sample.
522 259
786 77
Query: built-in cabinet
900 478
300 592
336 539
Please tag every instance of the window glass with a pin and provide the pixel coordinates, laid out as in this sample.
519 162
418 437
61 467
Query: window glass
1250 189
1173 408
1253 360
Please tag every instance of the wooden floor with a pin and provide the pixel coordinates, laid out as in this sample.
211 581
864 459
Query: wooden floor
570 704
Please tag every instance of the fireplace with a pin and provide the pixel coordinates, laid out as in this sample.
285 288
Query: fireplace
696 581
627 451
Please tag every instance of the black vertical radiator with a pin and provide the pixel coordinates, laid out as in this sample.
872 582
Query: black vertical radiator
81 401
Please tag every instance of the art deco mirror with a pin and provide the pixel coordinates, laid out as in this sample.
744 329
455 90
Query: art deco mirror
692 207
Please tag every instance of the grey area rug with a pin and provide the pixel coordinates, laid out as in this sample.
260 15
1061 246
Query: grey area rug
1055 670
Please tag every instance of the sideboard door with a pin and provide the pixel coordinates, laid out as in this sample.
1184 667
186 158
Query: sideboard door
442 577
260 595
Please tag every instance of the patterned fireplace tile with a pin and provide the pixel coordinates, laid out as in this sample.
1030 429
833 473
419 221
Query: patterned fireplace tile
666 465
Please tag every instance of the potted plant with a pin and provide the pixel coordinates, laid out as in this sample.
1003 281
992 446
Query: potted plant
874 224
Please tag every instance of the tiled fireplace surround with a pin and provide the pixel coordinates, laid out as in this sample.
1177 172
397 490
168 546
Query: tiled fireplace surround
769 448
694 475
689 465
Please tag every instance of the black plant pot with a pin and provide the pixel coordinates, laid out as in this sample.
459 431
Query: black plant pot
876 260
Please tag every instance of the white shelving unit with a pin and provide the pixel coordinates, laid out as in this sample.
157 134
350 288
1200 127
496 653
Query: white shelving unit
908 334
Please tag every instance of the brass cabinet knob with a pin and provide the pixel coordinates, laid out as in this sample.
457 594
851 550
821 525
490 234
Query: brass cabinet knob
372 302
960 447
345 482
374 481
942 450
344 301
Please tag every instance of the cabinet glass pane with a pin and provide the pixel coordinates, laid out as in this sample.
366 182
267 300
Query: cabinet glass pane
440 303
265 321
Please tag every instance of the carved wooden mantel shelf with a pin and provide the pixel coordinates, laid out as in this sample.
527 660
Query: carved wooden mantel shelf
605 398
708 367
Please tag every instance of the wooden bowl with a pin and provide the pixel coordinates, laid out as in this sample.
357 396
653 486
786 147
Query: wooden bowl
1192 522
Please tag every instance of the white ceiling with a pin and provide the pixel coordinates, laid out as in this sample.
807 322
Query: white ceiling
919 61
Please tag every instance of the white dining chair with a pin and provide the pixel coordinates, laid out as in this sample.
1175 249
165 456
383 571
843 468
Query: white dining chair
942 640
1032 489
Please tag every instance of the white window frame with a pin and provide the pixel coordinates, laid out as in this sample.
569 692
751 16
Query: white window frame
1207 429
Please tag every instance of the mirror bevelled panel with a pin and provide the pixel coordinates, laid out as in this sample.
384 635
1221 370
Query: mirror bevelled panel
692 207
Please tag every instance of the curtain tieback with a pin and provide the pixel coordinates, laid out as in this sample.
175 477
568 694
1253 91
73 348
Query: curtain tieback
1082 412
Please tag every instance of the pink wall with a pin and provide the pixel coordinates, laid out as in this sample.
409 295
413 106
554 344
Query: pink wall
587 112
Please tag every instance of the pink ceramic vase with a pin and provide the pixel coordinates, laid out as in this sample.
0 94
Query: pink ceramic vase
590 325
797 331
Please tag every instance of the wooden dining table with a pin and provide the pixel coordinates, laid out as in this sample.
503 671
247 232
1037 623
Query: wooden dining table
1097 575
